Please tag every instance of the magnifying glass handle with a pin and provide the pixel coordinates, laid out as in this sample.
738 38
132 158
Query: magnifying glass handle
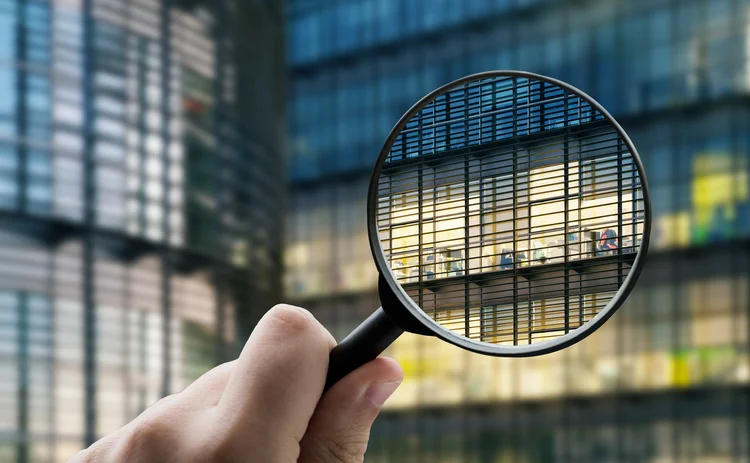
363 344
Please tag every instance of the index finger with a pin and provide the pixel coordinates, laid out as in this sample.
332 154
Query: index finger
278 379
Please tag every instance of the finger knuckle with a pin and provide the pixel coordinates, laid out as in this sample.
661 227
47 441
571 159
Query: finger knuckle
164 403
218 450
101 450
341 449
149 432
226 444
89 455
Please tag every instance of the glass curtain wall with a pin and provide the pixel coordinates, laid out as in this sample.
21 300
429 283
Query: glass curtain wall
138 206
671 368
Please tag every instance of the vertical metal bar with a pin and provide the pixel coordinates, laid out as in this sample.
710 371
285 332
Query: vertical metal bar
434 236
49 290
141 76
89 203
737 125
467 294
739 312
542 107
52 361
619 324
220 302
334 200
129 331
467 224
675 307
482 202
23 377
735 270
166 258
530 314
635 190
619 212
22 177
128 334
21 108
582 243
220 142
420 352
565 421
420 217
467 228
566 227
516 253
142 358
125 369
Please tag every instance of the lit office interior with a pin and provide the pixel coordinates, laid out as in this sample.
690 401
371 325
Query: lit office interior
666 378
497 204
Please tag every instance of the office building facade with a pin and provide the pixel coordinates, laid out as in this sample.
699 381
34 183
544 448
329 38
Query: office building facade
666 379
140 173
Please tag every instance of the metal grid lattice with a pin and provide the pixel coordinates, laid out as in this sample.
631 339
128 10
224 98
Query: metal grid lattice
510 210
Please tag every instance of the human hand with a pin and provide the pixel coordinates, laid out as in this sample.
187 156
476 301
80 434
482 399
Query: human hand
264 407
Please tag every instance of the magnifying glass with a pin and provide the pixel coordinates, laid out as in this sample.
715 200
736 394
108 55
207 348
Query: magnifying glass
508 214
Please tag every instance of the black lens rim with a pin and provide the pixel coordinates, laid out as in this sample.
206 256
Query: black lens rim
434 327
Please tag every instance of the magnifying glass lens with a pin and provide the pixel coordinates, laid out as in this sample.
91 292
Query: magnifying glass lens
510 210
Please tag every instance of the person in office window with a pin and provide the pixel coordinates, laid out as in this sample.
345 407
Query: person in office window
428 268
540 252
608 242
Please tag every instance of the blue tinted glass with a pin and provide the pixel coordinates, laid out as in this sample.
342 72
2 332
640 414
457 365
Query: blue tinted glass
8 90
478 7
109 38
327 30
68 25
388 23
411 15
504 4
7 35
7 126
38 100
719 11
660 26
39 190
38 128
660 164
684 162
8 158
435 13
38 55
306 37
8 5
36 12
347 26
8 190
38 163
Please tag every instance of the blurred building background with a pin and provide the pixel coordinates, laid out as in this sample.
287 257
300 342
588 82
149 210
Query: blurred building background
141 176
141 166
666 380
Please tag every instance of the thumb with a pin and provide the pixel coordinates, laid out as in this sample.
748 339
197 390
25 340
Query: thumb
340 427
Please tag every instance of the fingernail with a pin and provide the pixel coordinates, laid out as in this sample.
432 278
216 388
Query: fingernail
378 393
